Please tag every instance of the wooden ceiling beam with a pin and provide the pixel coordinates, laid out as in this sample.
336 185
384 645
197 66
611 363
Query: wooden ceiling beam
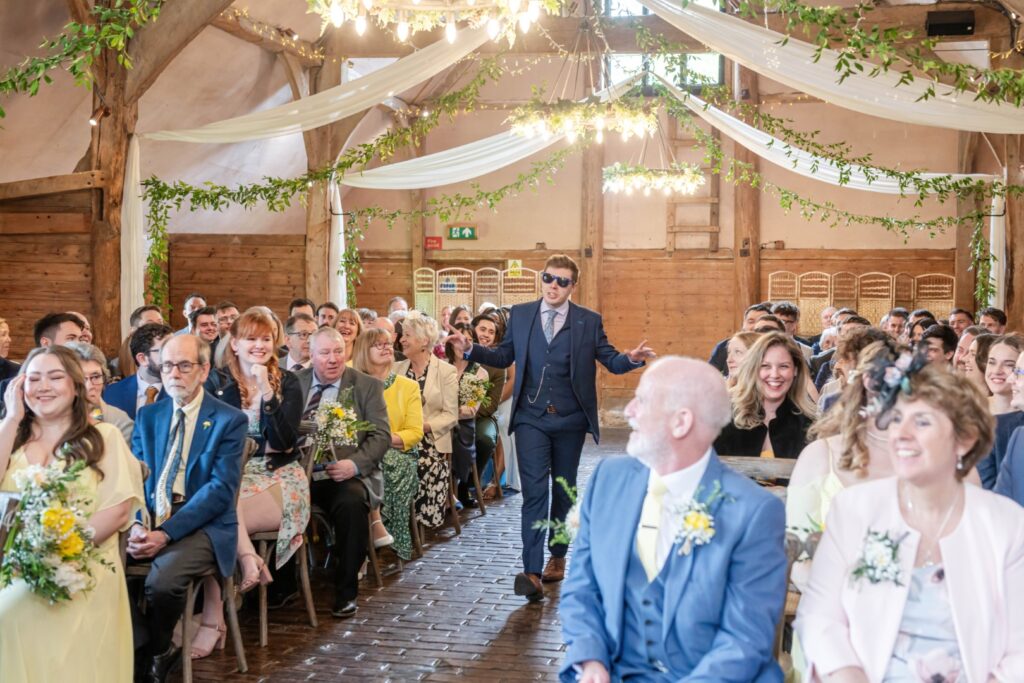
254 31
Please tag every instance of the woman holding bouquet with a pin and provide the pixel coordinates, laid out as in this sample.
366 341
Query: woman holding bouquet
89 637
473 392
274 495
374 354
439 387
489 330
917 577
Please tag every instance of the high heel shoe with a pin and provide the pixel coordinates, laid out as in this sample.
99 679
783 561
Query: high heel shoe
208 637
262 576
385 540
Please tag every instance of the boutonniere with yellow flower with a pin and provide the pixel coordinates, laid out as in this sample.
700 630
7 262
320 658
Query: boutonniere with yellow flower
693 521
207 424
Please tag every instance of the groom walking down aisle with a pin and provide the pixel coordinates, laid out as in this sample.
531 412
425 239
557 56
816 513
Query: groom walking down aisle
678 571
554 344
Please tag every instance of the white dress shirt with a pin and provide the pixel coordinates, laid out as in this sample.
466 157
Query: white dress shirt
682 486
140 390
560 316
330 392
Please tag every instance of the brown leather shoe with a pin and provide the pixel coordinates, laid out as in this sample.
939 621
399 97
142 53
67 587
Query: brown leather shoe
529 586
554 570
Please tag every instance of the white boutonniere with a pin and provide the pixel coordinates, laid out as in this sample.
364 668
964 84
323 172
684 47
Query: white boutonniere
879 560
693 521
207 424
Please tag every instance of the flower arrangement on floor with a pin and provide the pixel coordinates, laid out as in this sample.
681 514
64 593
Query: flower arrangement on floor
49 546
473 392
337 424
564 531
678 178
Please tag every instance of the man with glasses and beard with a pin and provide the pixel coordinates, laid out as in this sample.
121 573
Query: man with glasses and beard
145 386
554 344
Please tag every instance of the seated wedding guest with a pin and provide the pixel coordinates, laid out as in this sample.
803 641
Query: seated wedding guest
769 323
327 313
302 305
464 434
375 356
227 314
47 422
193 446
919 314
847 356
939 342
826 322
124 365
992 319
642 604
976 359
274 494
917 575
57 329
771 409
847 322
397 303
350 325
297 331
750 318
1006 424
1000 363
789 313
488 331
86 335
829 338
203 324
896 322
439 389
144 386
94 369
738 346
917 329
460 315
368 316
959 320
353 485
8 368
192 302
963 345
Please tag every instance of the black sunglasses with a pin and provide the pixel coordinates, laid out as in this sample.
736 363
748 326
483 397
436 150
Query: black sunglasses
548 278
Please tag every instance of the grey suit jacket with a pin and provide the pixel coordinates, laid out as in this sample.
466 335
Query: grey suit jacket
368 396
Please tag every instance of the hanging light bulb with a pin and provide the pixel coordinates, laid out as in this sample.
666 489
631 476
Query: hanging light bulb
367 4
493 27
513 6
403 29
337 14
524 22
533 10
571 135
470 2
600 136
450 31
361 23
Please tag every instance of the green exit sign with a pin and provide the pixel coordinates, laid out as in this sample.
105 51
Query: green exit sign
462 232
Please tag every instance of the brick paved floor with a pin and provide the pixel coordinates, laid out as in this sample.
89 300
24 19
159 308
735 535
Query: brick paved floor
448 616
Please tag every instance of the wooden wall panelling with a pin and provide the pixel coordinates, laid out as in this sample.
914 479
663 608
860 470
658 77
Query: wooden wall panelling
858 261
247 270
385 274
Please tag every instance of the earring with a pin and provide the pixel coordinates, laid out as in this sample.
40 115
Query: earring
960 463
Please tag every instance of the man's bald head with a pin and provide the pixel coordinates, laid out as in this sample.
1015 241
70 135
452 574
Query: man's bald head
384 324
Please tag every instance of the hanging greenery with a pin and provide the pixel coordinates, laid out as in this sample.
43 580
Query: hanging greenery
278 193
79 45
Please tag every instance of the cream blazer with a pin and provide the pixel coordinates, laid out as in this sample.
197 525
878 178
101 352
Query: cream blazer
844 623
440 400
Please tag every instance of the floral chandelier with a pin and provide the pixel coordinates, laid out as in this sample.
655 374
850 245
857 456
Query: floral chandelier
406 17
678 178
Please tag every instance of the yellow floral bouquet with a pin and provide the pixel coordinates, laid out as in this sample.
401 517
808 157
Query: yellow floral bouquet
337 424
473 392
49 546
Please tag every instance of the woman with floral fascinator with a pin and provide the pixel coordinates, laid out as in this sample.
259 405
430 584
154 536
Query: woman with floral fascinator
917 576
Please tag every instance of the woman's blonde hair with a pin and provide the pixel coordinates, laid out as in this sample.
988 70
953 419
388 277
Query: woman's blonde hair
748 339
420 327
363 344
747 400
352 314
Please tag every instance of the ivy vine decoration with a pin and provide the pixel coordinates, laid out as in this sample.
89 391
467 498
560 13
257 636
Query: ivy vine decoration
679 178
628 115
80 44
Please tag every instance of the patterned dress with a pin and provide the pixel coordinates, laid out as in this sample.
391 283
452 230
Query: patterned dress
434 470
401 482
926 649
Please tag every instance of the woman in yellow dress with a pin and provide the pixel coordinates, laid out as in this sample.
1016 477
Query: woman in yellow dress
87 638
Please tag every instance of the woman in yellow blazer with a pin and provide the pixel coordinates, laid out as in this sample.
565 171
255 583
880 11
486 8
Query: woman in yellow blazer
374 354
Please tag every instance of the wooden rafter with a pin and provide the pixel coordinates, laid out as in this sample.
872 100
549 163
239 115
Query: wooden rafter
256 32
79 10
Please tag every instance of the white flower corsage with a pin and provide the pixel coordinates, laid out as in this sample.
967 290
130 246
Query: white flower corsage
879 560
207 424
693 521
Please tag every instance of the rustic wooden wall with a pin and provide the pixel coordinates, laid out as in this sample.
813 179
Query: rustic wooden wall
248 270
44 261
386 274
857 261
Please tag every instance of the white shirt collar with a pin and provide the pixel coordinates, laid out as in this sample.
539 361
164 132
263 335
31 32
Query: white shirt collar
336 383
563 310
682 484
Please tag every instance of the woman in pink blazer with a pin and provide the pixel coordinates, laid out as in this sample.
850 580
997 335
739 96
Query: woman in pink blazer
920 577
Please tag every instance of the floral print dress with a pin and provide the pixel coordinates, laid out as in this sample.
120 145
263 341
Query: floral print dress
434 470
926 649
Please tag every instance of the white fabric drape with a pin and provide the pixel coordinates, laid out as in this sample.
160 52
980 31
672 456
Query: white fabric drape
997 248
338 102
133 248
792 63
337 289
468 161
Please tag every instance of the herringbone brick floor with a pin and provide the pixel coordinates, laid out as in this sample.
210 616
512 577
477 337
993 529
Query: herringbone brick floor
449 616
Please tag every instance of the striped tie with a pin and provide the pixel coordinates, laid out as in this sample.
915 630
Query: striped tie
314 402
165 485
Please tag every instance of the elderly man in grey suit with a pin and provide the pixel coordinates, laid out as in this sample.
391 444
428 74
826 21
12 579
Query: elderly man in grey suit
348 488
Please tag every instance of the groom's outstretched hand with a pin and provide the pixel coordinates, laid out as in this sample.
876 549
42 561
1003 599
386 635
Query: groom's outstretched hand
460 342
593 672
641 353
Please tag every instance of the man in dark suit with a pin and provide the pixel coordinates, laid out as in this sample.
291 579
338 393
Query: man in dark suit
1010 482
554 344
193 446
144 386
342 489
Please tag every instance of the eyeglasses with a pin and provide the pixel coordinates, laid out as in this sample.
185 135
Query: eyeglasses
548 278
301 335
94 379
382 346
184 367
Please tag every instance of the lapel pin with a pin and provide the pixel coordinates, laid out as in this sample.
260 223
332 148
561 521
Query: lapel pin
207 424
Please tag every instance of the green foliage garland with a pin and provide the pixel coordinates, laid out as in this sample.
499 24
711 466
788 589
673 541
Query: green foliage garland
77 48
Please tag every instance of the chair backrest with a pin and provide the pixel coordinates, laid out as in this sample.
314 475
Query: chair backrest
797 550
760 468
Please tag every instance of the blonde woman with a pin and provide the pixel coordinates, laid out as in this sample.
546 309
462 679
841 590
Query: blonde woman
350 325
736 349
439 387
771 409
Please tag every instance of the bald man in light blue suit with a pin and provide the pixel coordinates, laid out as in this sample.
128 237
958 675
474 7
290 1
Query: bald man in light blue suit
636 608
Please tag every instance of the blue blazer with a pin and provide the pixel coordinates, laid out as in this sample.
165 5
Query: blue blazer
722 601
989 466
589 344
1010 482
212 475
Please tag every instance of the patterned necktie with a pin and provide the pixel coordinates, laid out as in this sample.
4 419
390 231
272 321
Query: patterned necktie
314 401
549 324
165 485
650 521
151 393
296 367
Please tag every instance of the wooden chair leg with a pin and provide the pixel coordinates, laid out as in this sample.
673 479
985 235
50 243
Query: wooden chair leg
228 595
498 464
452 499
414 530
264 552
371 552
307 592
479 489
186 632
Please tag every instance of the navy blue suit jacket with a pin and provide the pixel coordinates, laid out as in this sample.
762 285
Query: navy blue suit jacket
589 344
212 475
989 466
1010 482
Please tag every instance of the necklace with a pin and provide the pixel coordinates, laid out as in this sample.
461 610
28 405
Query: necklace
929 556
878 439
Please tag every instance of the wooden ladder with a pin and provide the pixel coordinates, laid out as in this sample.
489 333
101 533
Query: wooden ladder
711 200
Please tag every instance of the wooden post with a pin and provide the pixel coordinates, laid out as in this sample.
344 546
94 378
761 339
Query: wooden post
747 210
963 291
1014 261
592 233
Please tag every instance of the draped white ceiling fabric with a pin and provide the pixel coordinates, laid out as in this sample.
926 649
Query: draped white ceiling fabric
793 64
133 246
338 102
468 161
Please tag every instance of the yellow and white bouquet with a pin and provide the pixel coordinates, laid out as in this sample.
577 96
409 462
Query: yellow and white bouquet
473 392
337 424
49 545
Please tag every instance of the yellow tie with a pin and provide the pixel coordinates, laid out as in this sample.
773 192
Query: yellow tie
650 520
